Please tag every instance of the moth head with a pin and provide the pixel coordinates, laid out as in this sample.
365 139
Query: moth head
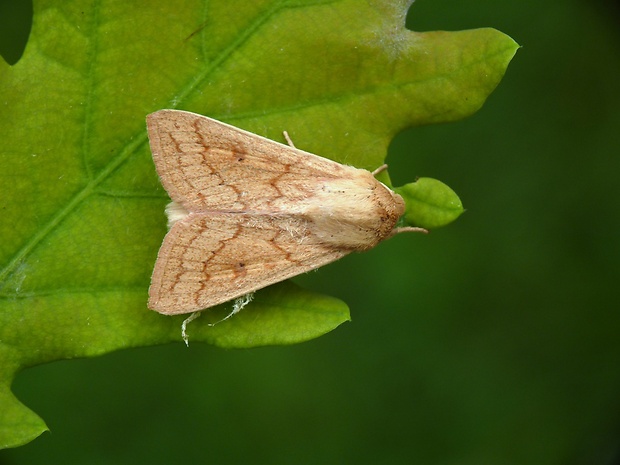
390 207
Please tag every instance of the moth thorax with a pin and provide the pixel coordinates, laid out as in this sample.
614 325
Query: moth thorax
356 217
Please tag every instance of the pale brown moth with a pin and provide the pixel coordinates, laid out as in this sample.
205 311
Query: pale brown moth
248 212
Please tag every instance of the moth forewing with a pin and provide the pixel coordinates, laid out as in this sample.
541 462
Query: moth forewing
251 212
230 255
205 164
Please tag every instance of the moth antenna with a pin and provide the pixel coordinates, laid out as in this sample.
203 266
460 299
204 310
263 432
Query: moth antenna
288 139
381 169
403 229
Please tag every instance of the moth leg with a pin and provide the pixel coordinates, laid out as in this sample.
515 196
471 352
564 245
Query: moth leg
288 139
187 321
381 169
240 302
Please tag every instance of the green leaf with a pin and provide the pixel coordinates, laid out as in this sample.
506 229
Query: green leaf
430 203
82 206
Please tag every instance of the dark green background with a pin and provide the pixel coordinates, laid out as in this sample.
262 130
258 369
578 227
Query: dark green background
493 341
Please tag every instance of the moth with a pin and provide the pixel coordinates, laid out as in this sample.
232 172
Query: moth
248 212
